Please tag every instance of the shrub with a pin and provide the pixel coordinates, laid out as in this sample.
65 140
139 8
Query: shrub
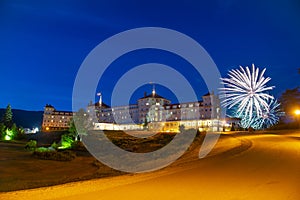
20 133
31 145
2 130
44 149
41 149
66 141
78 146
55 155
54 145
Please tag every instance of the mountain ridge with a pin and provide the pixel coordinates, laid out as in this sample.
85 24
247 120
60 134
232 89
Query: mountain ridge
25 118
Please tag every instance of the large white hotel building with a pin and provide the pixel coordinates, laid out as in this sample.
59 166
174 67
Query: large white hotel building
159 114
152 111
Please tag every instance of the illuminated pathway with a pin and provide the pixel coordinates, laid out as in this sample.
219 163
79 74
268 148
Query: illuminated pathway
269 169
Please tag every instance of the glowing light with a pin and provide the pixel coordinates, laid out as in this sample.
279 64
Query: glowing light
47 128
297 112
8 134
7 137
66 142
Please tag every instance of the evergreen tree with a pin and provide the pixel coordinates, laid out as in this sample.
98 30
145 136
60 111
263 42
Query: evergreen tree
2 130
72 130
8 117
81 119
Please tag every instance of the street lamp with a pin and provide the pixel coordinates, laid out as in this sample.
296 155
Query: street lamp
297 112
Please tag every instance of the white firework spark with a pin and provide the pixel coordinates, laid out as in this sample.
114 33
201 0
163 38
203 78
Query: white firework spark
247 90
269 117
245 120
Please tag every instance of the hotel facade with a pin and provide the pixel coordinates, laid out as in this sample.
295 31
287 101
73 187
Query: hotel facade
54 120
152 112
156 113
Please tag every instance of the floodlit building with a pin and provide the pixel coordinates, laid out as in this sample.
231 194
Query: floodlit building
55 120
152 112
158 113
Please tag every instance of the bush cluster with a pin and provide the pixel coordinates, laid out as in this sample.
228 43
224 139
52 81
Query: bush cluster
54 155
31 145
54 145
78 146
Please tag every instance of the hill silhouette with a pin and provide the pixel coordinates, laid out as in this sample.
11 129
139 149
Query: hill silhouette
25 118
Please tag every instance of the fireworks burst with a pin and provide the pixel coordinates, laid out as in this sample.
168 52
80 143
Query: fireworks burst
269 117
246 93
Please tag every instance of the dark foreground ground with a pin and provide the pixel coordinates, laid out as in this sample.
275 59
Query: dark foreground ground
260 165
20 170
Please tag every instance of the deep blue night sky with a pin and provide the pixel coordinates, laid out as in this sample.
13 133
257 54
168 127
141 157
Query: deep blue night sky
43 43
